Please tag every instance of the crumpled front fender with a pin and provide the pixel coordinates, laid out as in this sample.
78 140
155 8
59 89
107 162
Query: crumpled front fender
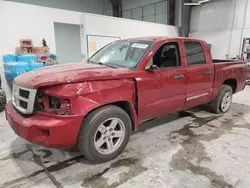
88 96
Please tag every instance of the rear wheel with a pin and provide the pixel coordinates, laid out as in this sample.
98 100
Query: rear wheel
104 134
223 101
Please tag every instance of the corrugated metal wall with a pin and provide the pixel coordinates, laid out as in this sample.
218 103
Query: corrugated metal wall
223 24
145 10
93 6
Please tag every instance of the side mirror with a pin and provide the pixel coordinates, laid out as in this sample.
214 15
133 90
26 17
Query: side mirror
151 68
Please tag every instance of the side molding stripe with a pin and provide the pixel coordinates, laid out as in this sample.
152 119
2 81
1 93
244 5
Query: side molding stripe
196 96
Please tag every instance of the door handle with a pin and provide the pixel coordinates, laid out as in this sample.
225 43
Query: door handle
208 72
179 77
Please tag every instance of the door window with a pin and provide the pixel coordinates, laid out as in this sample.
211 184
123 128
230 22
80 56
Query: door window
195 53
168 55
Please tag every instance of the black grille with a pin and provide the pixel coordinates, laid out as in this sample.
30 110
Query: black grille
23 104
24 93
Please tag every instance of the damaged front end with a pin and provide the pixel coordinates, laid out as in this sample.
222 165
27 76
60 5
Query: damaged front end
57 112
81 98
52 105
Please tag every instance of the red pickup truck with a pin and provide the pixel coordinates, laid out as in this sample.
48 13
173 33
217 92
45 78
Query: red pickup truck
96 105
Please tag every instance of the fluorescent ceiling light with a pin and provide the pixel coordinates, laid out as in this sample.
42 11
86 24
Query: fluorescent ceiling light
203 1
196 4
191 4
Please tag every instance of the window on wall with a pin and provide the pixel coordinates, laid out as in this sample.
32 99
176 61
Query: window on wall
155 12
137 14
127 14
195 53
149 13
161 12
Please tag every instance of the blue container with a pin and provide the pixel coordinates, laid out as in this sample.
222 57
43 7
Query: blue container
9 75
34 66
27 58
18 68
9 58
52 56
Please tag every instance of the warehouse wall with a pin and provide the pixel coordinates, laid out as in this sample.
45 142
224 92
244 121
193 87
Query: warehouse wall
19 20
146 10
93 6
102 35
223 24
131 4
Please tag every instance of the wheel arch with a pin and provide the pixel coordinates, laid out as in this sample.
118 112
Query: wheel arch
126 106
232 82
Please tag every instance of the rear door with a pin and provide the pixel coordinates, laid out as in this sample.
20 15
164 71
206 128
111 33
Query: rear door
200 74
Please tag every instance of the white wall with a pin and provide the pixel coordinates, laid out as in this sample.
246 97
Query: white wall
123 28
223 24
18 21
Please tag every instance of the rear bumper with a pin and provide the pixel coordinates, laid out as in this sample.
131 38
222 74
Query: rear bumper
46 130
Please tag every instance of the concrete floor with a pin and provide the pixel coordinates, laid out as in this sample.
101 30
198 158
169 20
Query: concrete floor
195 151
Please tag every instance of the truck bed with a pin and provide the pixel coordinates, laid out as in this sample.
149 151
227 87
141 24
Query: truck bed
226 69
223 60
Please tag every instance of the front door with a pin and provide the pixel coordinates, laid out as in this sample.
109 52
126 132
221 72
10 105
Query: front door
164 89
200 74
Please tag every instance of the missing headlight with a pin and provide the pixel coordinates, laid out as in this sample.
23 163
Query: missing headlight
61 106
54 102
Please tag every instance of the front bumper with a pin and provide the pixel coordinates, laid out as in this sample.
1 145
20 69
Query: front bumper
45 129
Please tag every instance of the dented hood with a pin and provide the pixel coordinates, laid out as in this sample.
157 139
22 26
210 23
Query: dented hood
69 73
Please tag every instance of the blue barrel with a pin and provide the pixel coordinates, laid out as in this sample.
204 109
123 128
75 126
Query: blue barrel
34 66
9 75
27 58
9 58
18 68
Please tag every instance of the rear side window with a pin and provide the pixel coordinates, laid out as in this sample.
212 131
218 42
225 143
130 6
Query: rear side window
195 53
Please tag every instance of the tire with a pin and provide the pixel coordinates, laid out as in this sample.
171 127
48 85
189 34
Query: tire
90 138
2 100
216 104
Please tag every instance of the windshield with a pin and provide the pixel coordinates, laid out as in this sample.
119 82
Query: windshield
124 53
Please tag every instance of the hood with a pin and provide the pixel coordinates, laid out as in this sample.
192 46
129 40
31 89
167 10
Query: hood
68 73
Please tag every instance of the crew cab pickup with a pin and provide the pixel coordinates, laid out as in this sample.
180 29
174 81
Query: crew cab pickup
96 105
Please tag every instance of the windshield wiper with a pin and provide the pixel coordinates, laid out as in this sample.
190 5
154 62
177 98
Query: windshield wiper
100 63
109 65
89 61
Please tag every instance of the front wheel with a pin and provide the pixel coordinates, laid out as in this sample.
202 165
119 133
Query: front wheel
104 134
223 101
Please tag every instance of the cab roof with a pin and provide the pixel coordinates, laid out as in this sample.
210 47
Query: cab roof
161 38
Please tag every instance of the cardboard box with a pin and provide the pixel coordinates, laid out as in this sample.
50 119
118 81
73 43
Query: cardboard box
21 51
42 58
26 43
40 50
